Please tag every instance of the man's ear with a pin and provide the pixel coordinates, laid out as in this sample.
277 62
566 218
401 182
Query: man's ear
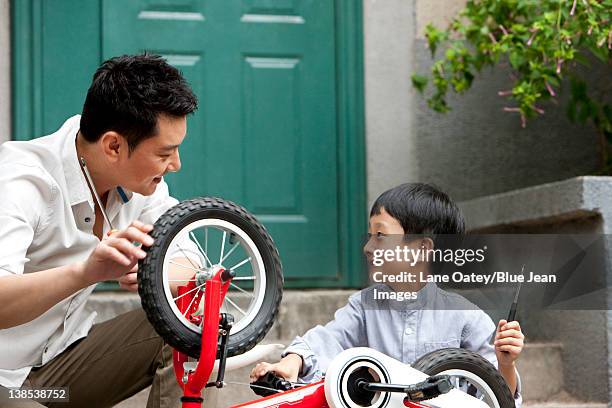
113 144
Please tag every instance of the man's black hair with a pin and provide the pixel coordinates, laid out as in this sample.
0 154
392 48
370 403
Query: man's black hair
129 92
421 209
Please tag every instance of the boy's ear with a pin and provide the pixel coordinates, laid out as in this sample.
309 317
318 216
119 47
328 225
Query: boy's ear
427 244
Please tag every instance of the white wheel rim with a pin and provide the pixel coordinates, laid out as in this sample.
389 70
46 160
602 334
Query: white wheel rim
257 268
486 391
379 376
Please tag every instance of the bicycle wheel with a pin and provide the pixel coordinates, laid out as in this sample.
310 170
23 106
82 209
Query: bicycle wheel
193 240
469 372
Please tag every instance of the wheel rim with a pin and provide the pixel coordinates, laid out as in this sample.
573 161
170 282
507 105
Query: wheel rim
462 379
244 303
380 398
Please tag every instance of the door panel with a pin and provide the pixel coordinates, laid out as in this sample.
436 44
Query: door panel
265 134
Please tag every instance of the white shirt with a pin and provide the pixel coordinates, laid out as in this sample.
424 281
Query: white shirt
46 221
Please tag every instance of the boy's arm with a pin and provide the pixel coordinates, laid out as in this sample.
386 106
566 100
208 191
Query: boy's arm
322 343
476 337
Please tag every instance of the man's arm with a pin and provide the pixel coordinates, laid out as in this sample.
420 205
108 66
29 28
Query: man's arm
27 296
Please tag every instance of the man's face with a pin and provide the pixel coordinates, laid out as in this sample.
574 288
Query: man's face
154 157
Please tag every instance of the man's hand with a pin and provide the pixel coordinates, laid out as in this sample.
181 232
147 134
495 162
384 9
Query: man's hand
508 339
289 367
116 257
129 281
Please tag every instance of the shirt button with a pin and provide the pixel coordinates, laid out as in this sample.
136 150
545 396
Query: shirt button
46 348
87 219
408 331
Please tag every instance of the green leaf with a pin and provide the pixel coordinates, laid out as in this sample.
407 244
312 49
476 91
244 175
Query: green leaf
419 82
516 59
558 41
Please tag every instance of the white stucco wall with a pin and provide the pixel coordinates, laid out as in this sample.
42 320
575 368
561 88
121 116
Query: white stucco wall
389 100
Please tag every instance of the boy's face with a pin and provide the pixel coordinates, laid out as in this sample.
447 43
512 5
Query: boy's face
142 170
386 234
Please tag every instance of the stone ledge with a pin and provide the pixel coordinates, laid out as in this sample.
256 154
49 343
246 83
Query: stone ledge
579 197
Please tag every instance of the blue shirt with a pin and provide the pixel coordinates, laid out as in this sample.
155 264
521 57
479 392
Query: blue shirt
403 330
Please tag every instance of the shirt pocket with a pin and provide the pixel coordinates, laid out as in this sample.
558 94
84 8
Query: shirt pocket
428 347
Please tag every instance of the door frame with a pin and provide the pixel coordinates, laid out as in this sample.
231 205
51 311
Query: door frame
27 113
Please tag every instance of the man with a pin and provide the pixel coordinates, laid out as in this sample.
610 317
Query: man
55 244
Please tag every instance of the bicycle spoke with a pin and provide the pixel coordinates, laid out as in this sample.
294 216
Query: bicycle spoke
190 304
242 290
181 280
235 305
239 264
241 278
185 255
186 293
222 246
200 248
229 253
185 266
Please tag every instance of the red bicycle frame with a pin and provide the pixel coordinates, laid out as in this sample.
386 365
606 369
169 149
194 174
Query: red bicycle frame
192 382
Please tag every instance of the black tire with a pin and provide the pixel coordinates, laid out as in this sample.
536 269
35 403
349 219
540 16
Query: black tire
461 359
151 287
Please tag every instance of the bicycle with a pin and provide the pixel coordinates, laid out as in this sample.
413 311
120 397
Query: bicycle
198 321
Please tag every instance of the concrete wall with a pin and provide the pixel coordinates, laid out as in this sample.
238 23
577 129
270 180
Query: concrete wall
389 97
475 150
574 206
5 72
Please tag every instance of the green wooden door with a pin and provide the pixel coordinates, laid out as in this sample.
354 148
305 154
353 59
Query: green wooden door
269 131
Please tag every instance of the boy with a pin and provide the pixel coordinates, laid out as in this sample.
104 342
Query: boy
429 322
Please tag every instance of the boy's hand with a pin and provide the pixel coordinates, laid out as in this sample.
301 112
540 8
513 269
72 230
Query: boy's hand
288 368
509 341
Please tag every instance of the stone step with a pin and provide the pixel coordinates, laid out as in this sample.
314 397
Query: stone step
541 369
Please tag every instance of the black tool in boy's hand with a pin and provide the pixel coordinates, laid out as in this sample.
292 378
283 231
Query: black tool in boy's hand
266 385
512 313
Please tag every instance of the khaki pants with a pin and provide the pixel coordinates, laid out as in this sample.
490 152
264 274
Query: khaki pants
117 359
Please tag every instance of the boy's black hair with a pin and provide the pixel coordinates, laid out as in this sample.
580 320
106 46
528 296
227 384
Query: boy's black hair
421 209
129 92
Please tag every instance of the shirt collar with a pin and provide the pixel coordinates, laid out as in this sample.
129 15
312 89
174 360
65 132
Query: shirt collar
76 184
78 190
